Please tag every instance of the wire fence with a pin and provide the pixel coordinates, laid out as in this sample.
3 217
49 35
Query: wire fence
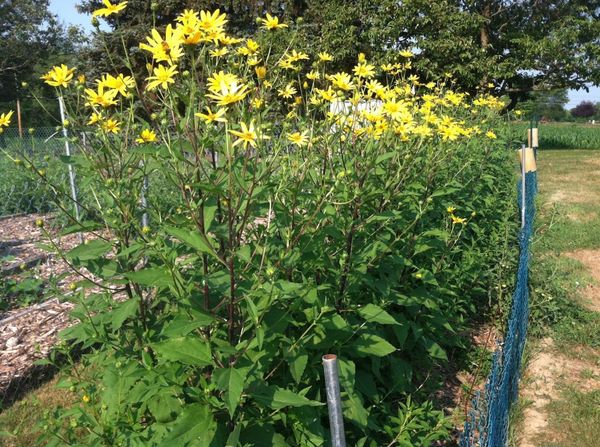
20 191
487 422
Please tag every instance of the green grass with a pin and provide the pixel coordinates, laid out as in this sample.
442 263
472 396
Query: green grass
20 424
568 221
565 135
575 419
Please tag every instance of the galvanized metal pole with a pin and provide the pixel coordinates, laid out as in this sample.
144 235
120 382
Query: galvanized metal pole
334 401
144 201
523 174
61 105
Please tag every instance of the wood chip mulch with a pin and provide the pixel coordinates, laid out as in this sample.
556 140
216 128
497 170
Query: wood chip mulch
28 334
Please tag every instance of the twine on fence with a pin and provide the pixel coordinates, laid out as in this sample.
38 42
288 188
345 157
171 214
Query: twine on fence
487 422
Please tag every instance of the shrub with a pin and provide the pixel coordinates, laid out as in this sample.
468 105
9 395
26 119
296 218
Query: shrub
373 234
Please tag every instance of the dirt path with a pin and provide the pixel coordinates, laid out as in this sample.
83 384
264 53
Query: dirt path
549 369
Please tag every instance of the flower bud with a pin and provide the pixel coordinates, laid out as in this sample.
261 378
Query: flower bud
24 84
95 22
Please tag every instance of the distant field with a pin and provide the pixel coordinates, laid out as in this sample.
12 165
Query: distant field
566 135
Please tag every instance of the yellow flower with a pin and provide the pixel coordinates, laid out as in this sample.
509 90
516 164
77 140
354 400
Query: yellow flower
218 79
167 49
458 220
219 52
342 81
325 57
81 79
406 53
313 75
85 398
257 103
253 60
272 22
450 209
59 76
110 8
297 138
100 97
212 23
287 92
5 118
212 117
250 48
111 126
121 83
247 135
163 76
95 118
296 56
261 72
491 135
229 93
364 70
146 136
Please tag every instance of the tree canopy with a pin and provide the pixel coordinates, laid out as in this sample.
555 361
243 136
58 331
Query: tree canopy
31 39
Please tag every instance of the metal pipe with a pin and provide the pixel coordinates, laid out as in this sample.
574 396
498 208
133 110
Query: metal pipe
334 401
61 105
523 174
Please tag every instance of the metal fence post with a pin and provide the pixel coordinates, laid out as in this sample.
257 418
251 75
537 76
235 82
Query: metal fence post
61 105
334 401
523 175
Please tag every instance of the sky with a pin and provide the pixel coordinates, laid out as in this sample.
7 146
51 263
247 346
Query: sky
65 9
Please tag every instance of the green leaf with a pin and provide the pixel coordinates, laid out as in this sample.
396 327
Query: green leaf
182 325
434 349
195 424
191 238
153 276
122 312
374 313
90 250
188 350
277 398
230 380
297 363
234 437
164 407
369 344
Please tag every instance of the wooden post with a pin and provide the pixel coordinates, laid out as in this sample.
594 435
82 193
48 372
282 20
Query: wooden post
19 119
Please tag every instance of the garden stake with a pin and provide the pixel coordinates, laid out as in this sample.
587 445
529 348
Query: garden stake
61 105
334 401
523 206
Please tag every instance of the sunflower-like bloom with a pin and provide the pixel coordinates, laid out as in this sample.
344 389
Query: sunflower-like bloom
288 91
229 93
167 49
100 97
163 76
120 83
272 22
217 79
5 119
213 117
111 126
342 81
246 136
59 76
109 9
146 136
297 138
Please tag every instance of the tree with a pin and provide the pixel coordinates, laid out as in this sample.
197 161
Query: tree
549 105
514 46
585 109
31 39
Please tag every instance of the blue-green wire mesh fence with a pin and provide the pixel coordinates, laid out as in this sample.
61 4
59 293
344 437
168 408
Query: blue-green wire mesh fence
487 422
21 189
